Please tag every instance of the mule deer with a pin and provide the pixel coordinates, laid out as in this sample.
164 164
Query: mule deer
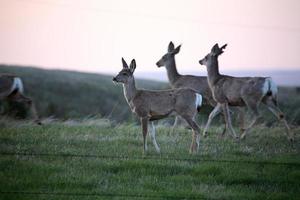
11 89
151 105
197 83
241 91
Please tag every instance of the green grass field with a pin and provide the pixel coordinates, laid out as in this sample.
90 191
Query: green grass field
100 160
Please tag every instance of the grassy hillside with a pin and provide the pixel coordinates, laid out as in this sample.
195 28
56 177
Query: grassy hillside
100 161
69 94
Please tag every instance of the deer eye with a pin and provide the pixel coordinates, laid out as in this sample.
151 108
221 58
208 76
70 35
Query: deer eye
124 73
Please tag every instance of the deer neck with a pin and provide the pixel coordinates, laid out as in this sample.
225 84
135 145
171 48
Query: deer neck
129 90
172 72
213 72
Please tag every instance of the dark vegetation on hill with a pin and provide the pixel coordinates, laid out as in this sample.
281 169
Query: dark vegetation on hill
68 94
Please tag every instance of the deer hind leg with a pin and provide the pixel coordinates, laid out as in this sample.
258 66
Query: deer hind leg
254 108
174 125
196 134
280 116
144 122
34 114
33 111
212 115
241 116
228 119
154 138
19 97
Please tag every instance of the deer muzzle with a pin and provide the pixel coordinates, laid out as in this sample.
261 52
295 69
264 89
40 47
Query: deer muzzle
158 64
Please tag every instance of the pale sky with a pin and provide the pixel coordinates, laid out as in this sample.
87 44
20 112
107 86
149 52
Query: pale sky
93 35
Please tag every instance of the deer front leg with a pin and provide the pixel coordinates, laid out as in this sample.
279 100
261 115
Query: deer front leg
254 108
212 115
228 119
144 122
154 138
174 125
249 127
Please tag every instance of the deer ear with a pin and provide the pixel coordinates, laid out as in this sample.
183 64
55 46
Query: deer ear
171 47
223 47
215 49
176 51
221 50
132 65
125 66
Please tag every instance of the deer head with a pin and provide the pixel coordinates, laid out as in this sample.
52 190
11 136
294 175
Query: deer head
214 53
169 55
126 74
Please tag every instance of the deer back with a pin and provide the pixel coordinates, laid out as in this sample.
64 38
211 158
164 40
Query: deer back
197 83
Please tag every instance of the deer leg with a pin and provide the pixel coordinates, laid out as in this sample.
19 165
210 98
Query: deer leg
228 119
144 122
249 127
34 114
225 128
154 138
196 134
33 110
254 109
280 116
174 125
19 97
241 117
212 115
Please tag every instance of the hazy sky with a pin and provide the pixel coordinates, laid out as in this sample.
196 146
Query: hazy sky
93 35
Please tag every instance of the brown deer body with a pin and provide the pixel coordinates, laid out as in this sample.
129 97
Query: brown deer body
151 105
11 89
241 91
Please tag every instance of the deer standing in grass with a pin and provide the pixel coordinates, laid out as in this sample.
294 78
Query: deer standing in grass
11 89
151 105
241 91
197 83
